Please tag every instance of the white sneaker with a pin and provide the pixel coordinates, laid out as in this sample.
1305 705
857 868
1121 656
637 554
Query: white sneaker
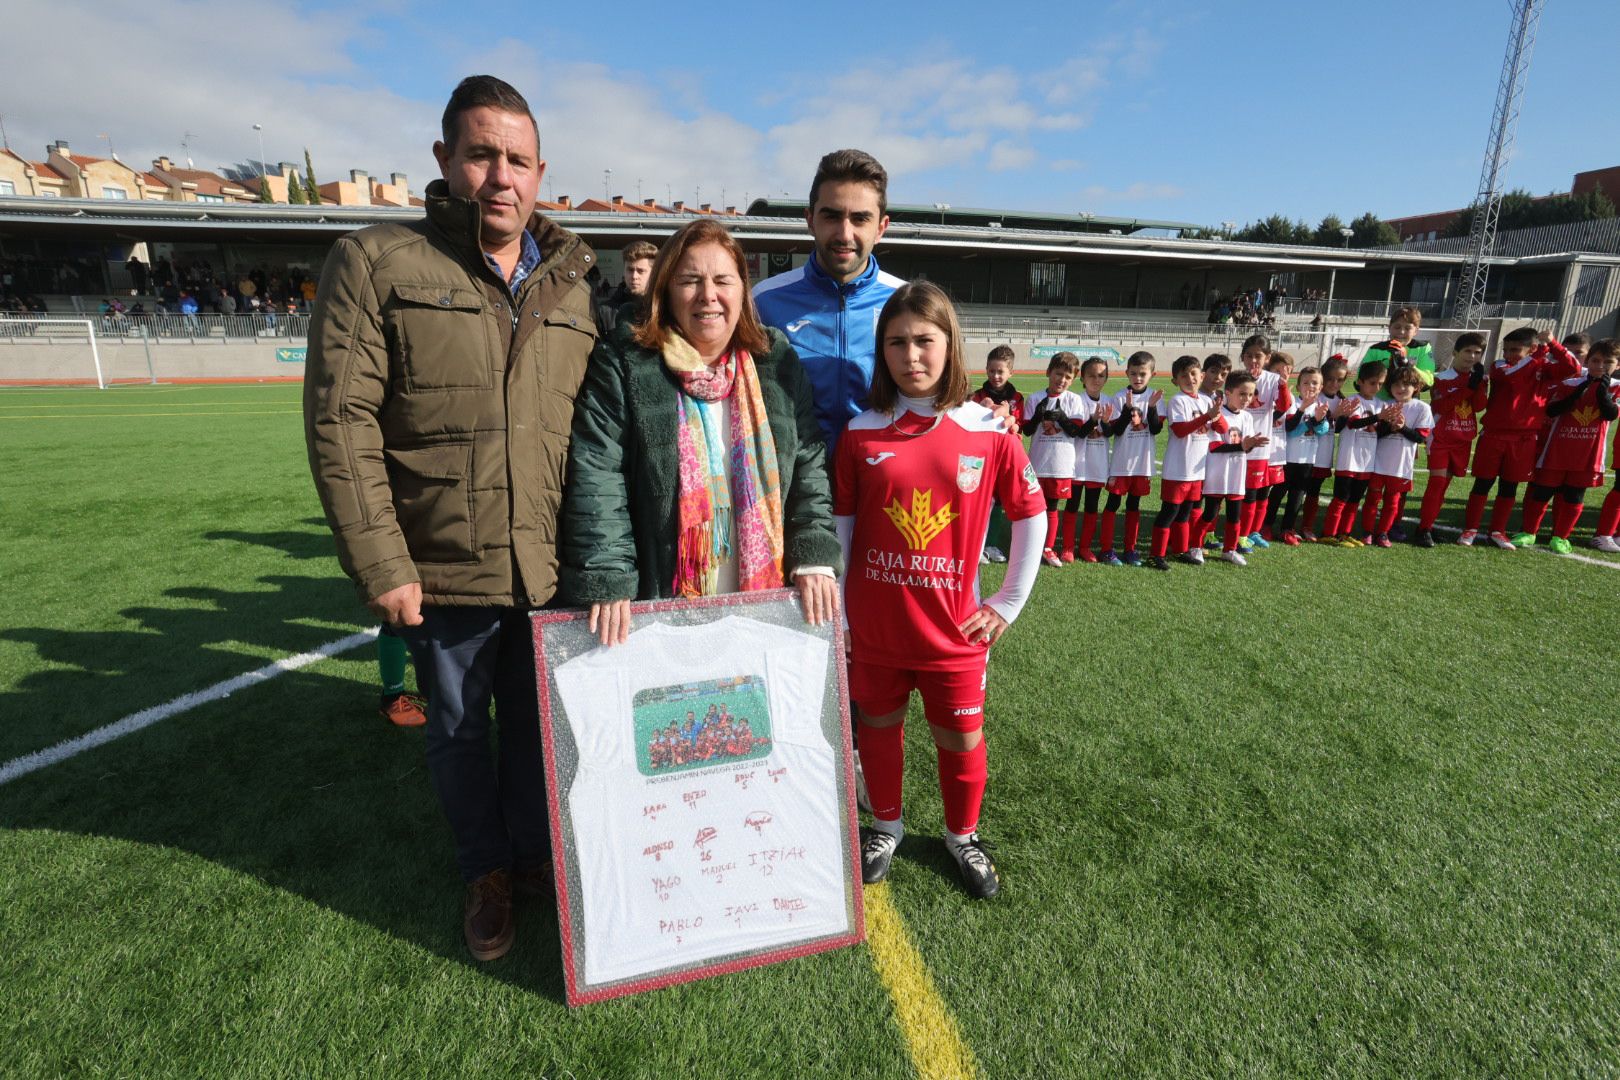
1503 541
995 554
1050 558
1606 543
1468 537
984 559
1195 556
1234 558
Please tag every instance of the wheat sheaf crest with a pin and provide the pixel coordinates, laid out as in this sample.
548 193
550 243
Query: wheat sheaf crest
922 523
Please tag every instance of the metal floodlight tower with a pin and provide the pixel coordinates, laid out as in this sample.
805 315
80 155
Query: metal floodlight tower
1498 148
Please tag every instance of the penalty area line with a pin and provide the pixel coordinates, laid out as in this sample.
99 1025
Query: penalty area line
71 748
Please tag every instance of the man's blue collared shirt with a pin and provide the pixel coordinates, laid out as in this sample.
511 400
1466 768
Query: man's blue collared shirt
527 261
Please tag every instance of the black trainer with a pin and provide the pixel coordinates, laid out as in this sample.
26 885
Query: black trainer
979 876
1157 562
1424 538
877 851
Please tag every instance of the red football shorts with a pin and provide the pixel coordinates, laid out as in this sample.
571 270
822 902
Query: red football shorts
1180 491
1510 456
1391 485
1561 478
951 699
1346 474
1256 474
1450 458
1057 487
1130 485
1276 474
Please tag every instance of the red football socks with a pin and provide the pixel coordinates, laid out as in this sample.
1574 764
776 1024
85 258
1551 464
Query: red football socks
1565 515
1051 529
1474 513
1161 541
962 776
1534 510
1178 537
1501 511
1609 517
1133 529
1088 529
1066 532
1107 531
1434 497
883 761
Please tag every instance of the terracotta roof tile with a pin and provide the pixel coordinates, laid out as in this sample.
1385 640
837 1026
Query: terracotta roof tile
46 172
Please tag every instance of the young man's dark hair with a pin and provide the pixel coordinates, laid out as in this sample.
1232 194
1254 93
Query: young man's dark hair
852 166
1524 335
476 91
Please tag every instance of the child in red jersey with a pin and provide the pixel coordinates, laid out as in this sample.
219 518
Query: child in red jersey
1532 363
914 477
1194 417
1457 398
1393 459
1573 455
1001 397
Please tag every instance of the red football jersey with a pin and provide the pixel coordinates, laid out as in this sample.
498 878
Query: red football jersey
1519 392
1577 440
920 492
1456 408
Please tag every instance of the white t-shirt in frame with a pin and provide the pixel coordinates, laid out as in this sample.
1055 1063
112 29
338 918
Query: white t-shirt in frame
775 870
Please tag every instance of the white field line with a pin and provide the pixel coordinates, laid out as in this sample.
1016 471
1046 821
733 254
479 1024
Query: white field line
62 751
1481 542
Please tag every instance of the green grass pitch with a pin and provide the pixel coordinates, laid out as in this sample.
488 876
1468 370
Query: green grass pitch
1336 813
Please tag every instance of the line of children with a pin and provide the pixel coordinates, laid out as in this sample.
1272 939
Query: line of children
1544 433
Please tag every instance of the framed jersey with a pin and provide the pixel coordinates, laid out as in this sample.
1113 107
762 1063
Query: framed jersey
701 791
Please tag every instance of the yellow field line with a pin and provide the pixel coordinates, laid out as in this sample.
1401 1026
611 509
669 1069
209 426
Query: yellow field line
935 1042
116 416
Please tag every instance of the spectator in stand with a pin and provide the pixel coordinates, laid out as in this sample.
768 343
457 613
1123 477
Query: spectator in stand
188 309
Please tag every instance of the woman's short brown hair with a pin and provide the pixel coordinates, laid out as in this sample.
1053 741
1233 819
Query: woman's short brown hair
928 302
649 333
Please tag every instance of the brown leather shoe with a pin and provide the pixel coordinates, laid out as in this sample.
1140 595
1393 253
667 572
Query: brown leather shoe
487 920
534 882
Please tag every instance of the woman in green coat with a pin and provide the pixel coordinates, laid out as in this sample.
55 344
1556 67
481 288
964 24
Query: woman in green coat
696 466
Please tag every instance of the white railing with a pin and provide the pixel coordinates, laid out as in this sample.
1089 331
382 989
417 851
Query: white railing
171 328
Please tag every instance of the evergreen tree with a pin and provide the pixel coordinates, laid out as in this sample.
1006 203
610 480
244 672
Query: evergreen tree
1372 231
264 187
295 191
1327 232
311 189
1275 229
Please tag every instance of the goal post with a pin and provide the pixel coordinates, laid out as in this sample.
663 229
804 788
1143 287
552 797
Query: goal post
51 352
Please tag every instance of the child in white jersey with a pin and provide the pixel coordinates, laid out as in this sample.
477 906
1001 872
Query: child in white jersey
1334 372
1398 439
1191 415
1356 419
915 476
1281 364
1212 384
1271 400
1091 456
1051 420
1225 470
1130 466
1308 422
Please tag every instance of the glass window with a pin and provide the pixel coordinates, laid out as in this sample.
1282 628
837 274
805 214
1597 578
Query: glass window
48 193
211 198
113 191
7 187
1593 283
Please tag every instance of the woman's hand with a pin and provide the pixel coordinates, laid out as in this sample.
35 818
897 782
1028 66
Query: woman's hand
818 596
984 625
610 622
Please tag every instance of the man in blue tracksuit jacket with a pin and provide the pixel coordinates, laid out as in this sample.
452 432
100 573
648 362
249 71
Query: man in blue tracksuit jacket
829 307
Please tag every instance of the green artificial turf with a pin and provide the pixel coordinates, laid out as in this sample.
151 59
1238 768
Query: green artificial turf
1334 813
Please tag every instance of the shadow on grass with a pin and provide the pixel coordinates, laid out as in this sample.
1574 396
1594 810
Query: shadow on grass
297 782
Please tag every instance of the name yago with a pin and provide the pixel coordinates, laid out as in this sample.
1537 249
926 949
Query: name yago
916 571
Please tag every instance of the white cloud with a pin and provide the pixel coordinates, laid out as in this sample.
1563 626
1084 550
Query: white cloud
296 74
1137 192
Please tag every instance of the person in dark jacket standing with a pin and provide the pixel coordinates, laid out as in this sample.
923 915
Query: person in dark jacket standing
444 359
696 466
632 288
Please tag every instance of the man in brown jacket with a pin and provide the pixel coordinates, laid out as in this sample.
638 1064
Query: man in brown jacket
444 358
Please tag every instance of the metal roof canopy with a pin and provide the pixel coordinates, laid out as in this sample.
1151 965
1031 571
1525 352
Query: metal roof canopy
971 215
25 216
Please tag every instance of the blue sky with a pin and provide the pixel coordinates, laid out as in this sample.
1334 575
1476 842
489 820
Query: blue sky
1163 109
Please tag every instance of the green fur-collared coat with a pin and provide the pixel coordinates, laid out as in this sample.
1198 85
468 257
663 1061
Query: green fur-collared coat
620 521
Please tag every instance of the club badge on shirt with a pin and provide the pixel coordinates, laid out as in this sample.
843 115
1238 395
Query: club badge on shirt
1032 483
969 471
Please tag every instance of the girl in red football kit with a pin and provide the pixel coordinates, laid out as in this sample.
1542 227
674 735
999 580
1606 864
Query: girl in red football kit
914 479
